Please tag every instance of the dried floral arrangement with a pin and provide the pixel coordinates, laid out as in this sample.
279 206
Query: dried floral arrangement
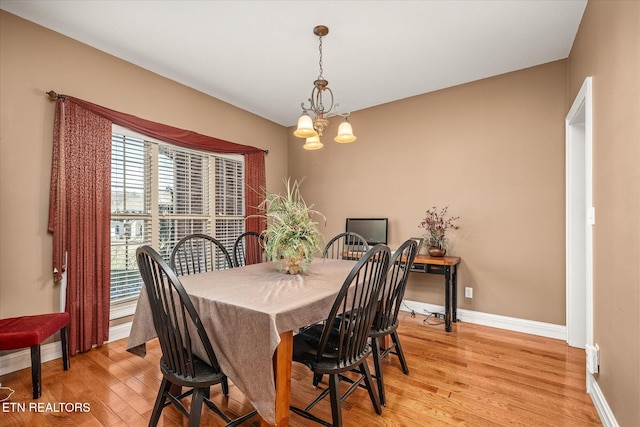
436 224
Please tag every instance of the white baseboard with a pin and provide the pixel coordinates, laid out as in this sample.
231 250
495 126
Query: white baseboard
118 332
17 360
533 327
22 359
602 407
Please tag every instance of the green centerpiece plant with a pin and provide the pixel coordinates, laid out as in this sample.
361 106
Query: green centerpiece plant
291 234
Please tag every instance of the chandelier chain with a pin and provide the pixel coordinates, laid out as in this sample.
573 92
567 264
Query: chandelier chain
320 61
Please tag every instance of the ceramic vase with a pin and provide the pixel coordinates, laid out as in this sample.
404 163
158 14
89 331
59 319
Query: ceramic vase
436 251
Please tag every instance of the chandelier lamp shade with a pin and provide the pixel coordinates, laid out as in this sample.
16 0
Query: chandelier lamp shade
315 117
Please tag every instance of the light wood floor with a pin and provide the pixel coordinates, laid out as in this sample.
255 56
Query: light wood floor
473 376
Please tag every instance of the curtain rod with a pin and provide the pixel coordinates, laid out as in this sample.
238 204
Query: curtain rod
54 96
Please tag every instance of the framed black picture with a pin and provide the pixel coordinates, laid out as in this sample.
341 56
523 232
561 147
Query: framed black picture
373 230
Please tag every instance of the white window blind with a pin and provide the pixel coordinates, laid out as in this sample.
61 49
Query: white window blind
130 212
161 193
184 195
229 201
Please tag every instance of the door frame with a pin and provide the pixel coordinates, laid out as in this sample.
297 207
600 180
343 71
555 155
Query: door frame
580 218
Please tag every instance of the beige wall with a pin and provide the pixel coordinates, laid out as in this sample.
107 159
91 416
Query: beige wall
607 47
34 60
493 151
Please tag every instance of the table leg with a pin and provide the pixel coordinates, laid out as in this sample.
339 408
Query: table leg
447 298
454 290
282 371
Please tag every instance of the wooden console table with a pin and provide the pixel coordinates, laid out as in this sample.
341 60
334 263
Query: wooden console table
448 267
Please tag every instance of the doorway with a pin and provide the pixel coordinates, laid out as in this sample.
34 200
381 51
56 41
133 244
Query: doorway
580 217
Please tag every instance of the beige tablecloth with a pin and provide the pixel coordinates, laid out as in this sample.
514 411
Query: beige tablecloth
244 310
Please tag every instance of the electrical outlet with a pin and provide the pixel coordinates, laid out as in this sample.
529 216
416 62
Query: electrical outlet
468 292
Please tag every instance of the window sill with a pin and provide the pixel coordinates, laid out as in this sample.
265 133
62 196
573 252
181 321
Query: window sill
123 310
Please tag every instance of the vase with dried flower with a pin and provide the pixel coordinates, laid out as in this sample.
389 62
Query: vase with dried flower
436 225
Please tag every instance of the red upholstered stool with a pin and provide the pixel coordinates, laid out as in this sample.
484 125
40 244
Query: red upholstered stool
31 331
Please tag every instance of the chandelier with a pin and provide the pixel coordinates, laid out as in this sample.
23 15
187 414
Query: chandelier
312 129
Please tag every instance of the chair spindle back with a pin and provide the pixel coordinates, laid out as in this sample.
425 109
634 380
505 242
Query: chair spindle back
347 245
358 299
199 253
176 320
248 249
393 289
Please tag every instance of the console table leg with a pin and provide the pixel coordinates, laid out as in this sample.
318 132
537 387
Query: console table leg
447 298
454 286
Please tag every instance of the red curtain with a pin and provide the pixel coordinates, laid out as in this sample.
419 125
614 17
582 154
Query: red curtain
170 134
79 217
80 211
255 181
254 187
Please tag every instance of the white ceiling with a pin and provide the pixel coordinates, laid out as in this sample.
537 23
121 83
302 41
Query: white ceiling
262 56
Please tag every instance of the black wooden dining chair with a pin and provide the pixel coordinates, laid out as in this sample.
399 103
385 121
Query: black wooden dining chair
347 245
386 322
249 249
199 253
179 331
341 343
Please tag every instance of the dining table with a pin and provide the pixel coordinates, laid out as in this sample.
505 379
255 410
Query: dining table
250 314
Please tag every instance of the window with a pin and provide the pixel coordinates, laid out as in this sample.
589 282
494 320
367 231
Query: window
161 193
